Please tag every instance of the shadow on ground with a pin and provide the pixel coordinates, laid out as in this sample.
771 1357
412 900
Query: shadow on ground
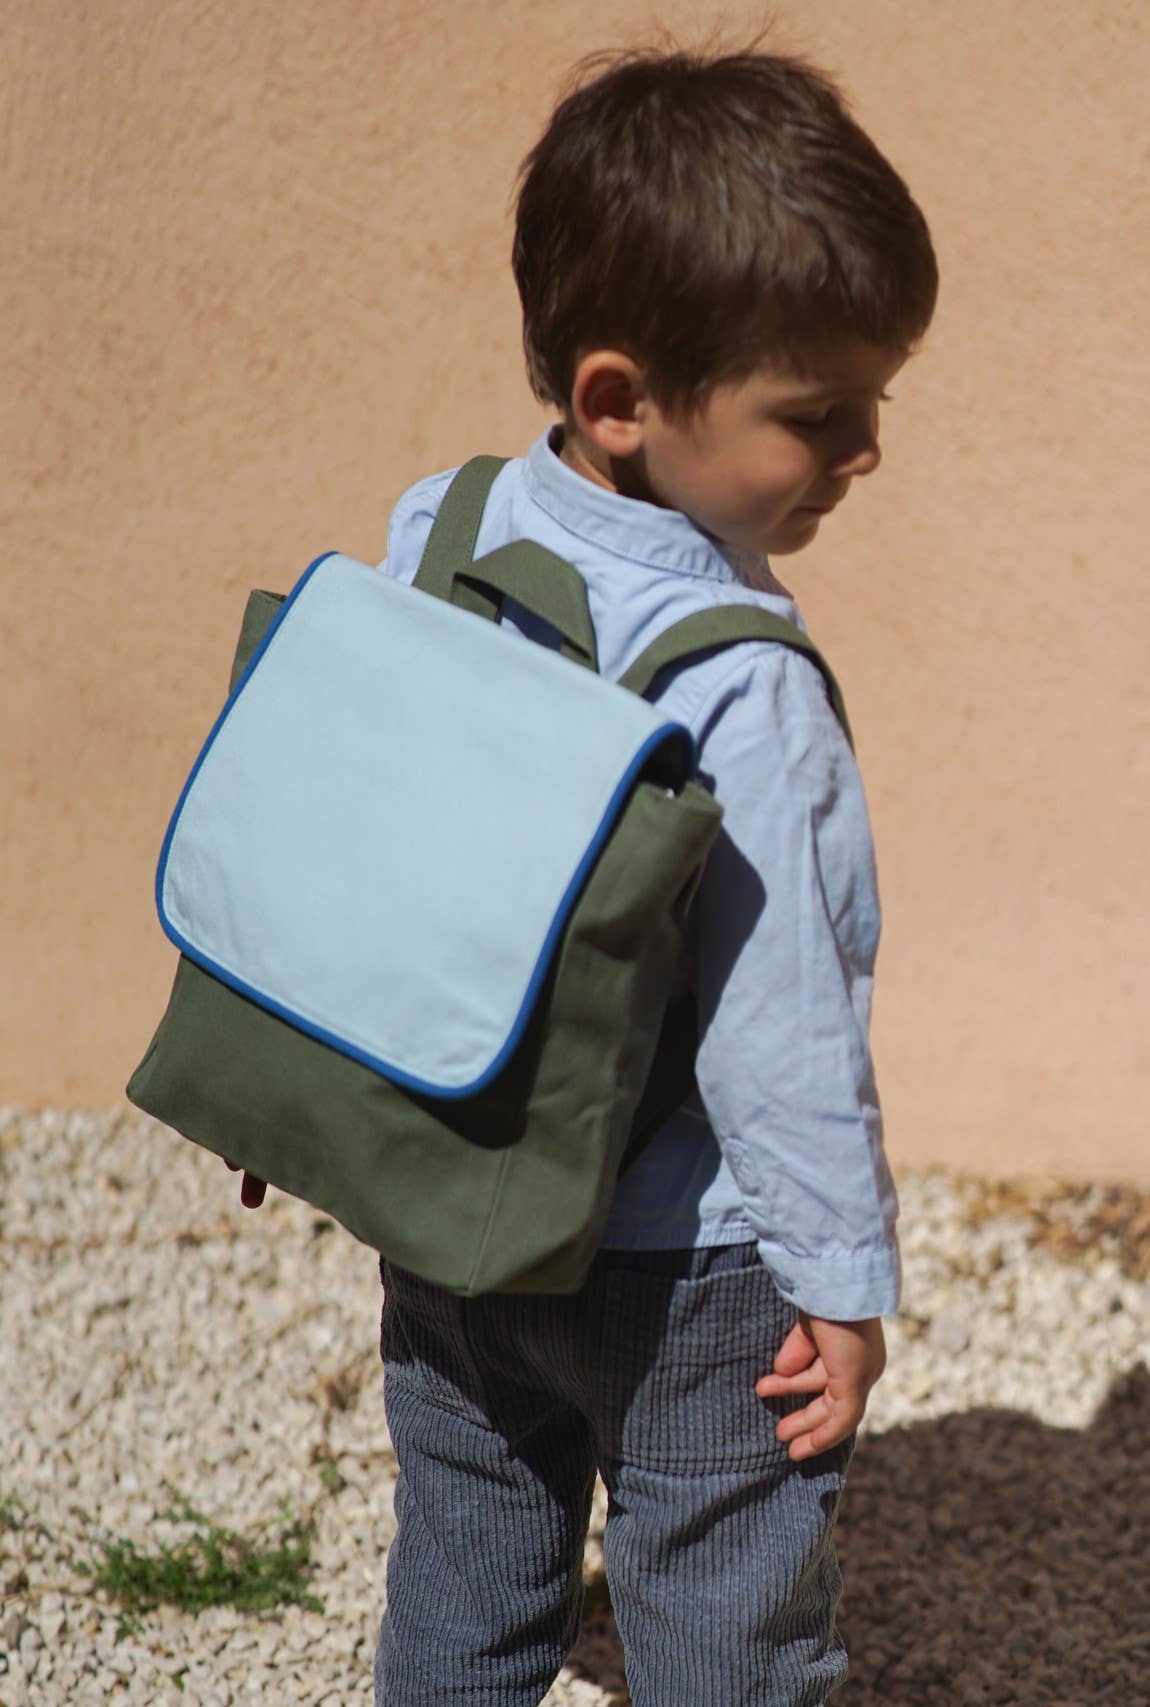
989 1561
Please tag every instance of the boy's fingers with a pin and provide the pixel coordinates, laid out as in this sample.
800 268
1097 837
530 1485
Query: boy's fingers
812 1416
819 1426
822 1438
797 1352
810 1445
812 1380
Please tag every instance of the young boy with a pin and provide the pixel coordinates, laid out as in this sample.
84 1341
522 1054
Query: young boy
720 274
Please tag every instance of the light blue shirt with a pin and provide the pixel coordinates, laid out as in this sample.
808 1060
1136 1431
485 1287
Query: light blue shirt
783 1146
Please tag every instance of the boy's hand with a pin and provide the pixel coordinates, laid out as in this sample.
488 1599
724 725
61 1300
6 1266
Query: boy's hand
252 1189
838 1361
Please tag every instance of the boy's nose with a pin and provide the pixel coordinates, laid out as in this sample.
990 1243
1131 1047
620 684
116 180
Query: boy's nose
861 457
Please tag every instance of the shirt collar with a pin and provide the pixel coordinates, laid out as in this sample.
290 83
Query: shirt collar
630 527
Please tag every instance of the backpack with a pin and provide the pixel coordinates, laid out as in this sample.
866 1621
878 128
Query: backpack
429 882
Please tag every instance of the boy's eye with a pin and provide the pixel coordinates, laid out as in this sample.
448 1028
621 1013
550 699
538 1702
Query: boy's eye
821 420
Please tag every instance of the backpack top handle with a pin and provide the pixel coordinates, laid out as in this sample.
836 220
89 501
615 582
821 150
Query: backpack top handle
542 583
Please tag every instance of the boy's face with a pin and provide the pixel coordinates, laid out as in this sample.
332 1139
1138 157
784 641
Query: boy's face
756 468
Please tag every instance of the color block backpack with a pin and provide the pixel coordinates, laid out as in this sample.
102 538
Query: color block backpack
428 881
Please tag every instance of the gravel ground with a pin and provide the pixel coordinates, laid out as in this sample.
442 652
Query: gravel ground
157 1342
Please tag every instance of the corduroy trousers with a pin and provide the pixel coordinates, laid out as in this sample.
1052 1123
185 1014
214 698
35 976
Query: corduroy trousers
719 1550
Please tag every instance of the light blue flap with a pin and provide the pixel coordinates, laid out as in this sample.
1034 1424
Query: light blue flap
391 820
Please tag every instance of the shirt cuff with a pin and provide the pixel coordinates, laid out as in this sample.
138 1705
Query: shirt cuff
851 1287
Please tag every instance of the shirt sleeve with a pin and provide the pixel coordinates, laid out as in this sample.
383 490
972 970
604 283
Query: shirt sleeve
410 525
787 927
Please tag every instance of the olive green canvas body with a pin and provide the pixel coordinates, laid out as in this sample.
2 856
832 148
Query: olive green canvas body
508 1189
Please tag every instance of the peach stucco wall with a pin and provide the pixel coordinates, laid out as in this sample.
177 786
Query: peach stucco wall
255 282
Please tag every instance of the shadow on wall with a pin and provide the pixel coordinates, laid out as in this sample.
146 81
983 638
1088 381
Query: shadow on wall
987 1559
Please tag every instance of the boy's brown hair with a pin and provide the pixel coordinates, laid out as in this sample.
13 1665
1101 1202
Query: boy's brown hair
707 216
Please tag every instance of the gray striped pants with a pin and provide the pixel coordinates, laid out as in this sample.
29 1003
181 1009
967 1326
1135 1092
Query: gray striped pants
718 1549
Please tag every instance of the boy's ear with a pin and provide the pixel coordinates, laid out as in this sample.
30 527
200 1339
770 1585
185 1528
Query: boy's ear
609 402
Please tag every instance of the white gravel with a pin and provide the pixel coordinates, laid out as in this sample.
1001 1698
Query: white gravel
155 1336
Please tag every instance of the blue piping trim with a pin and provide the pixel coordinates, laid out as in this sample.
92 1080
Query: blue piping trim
667 732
